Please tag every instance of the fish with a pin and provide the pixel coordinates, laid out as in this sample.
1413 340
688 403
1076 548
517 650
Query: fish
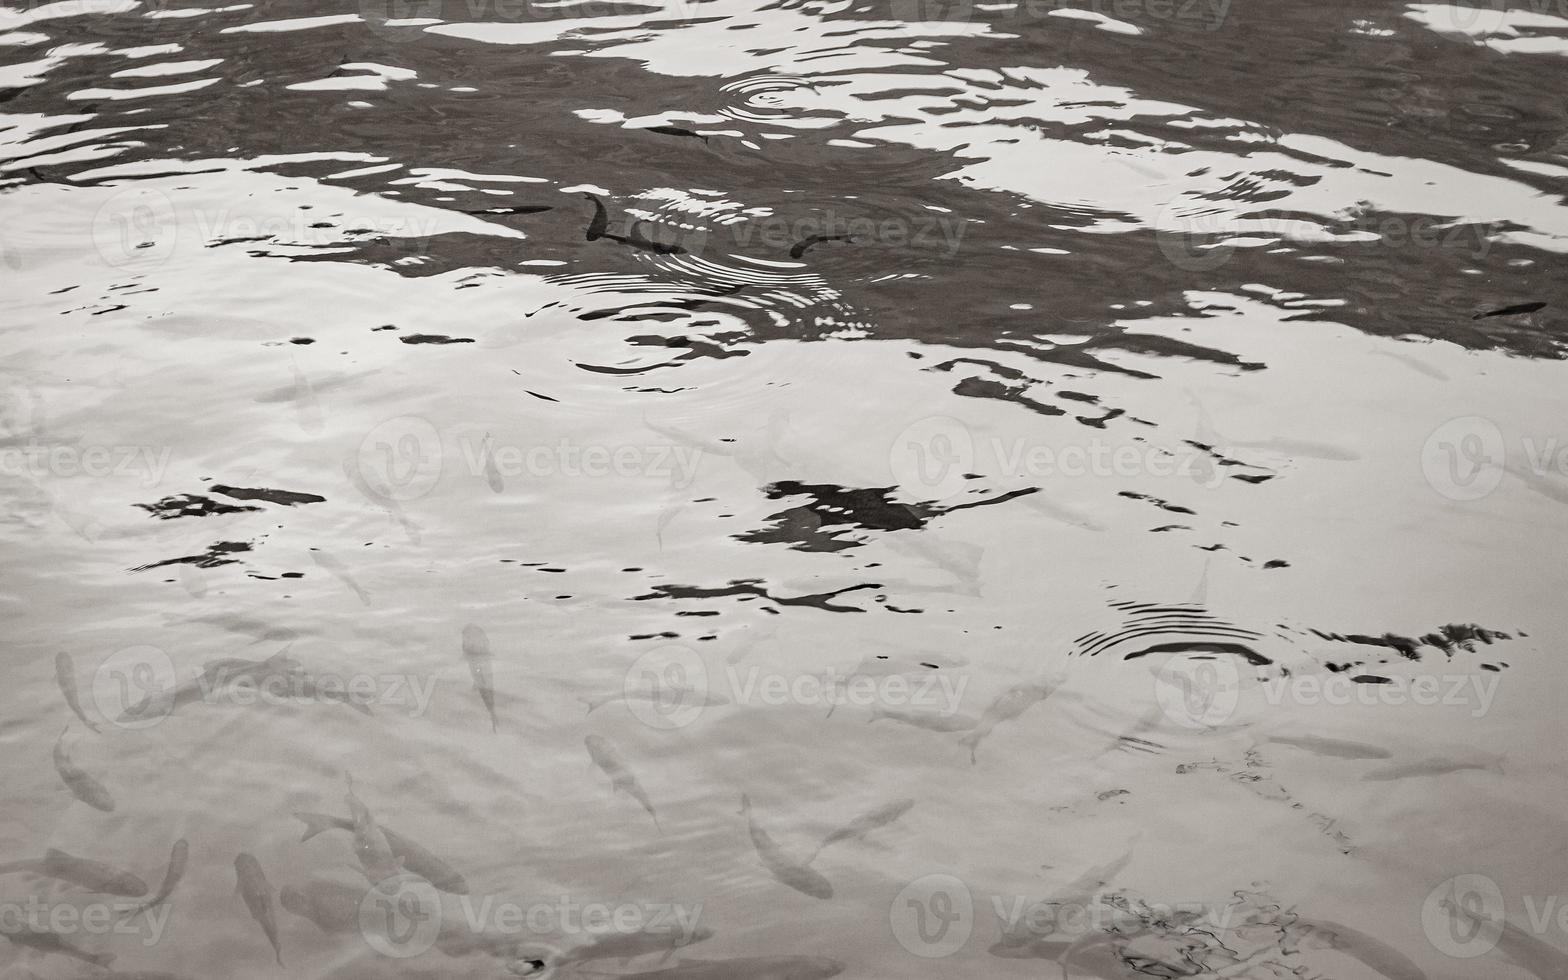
934 721
674 131
606 758
379 495
82 786
1538 957
635 238
43 941
375 855
215 674
331 906
65 676
600 223
795 874
178 855
95 876
747 968
864 824
1007 706
1434 767
251 885
1510 310
1331 747
626 945
338 569
1373 952
492 474
805 244
476 650
520 209
415 859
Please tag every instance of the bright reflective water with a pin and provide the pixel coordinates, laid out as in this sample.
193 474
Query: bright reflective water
728 489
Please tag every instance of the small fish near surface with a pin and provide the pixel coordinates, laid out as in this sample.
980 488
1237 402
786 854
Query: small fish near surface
805 244
95 876
476 651
82 786
608 760
1007 706
674 131
380 865
251 885
864 824
796 874
747 968
44 941
599 227
178 856
65 676
1510 310
414 857
331 906
1436 767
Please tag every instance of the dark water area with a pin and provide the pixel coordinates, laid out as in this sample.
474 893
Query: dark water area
731 489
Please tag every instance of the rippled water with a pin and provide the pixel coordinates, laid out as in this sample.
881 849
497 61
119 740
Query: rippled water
740 489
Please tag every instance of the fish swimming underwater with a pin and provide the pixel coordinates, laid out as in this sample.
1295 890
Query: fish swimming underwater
331 906
476 651
747 968
178 855
44 941
65 676
1007 706
805 244
627 945
82 786
380 865
608 759
1510 310
414 857
674 131
1435 767
95 876
1331 747
795 874
251 885
864 824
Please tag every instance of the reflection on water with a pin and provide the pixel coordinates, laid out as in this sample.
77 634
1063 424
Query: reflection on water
722 488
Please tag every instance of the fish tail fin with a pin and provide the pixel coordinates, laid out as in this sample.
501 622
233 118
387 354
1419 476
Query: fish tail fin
588 702
277 954
315 823
656 825
101 959
831 705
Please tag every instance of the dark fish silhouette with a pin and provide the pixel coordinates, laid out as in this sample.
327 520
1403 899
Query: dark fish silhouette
864 824
82 786
375 855
43 941
1511 310
476 650
251 885
599 227
414 857
804 245
65 676
178 855
95 876
608 759
795 874
675 131
520 209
